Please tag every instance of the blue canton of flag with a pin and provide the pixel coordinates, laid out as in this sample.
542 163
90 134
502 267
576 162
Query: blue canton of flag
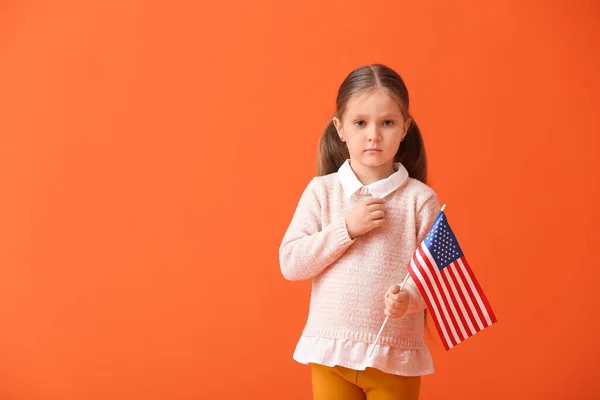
442 243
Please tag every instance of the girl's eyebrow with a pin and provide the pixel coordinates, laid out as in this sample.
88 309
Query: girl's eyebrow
391 114
386 115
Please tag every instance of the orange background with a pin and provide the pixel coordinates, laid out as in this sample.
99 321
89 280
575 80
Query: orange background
152 155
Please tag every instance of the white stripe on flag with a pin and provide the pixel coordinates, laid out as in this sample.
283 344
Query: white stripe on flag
459 301
436 312
475 293
436 290
453 268
448 297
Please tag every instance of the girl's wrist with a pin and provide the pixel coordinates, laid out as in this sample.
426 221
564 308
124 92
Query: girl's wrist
350 234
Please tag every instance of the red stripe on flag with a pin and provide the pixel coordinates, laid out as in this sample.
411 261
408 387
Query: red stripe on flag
442 320
432 269
480 291
451 271
455 301
471 296
435 316
419 285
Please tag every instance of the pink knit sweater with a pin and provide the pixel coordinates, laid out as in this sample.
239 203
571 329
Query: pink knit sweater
351 277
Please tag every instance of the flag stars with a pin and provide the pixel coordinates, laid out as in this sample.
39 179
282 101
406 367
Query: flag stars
442 244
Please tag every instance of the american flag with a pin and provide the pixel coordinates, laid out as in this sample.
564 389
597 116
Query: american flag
440 270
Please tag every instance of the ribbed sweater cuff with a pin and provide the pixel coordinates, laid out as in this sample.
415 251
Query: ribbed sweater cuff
340 231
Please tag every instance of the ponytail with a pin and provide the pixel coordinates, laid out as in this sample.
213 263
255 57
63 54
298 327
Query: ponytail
411 153
332 151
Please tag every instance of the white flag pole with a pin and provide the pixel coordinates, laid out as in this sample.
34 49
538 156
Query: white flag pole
386 318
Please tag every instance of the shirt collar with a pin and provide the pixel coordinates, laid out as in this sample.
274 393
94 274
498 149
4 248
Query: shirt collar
379 189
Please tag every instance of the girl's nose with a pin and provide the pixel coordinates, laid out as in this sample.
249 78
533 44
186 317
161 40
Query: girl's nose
373 135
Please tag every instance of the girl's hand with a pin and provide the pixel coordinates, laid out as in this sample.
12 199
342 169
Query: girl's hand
365 216
396 302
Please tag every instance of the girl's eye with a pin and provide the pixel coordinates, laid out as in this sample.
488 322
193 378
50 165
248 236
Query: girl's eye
360 123
388 122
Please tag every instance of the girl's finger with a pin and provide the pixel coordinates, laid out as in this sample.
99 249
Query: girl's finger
393 314
396 309
374 200
392 302
376 222
376 207
375 215
400 297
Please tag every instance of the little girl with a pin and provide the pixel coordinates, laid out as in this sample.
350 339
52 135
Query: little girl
354 230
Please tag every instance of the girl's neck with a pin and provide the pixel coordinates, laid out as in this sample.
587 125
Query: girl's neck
367 175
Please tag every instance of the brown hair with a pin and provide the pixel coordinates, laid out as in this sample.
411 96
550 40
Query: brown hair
411 153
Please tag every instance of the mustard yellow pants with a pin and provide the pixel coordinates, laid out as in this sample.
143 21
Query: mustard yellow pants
340 383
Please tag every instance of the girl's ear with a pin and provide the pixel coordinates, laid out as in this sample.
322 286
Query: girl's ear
338 127
406 126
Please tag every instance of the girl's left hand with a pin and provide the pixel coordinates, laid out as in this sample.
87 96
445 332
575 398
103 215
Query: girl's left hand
396 302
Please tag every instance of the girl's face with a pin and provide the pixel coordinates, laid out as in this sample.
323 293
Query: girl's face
372 127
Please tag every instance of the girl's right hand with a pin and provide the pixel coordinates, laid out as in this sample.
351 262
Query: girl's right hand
365 216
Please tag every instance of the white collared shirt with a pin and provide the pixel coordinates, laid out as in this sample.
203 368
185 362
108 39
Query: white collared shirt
379 189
